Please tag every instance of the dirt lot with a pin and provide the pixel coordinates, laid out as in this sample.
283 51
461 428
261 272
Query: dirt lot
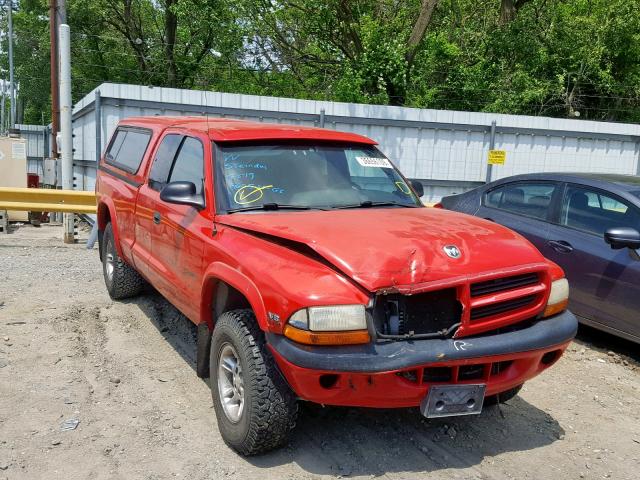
125 370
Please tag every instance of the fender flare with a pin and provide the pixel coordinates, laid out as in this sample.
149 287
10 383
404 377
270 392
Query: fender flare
108 204
218 271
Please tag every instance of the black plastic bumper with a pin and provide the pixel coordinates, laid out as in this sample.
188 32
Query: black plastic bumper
383 357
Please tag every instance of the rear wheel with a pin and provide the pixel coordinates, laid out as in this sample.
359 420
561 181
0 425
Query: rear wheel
121 279
254 406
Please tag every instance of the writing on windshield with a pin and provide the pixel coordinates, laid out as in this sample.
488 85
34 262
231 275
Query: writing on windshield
307 175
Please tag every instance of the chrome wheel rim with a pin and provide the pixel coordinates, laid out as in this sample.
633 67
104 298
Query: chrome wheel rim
230 383
109 262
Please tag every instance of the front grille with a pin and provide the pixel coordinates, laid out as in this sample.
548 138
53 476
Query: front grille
501 307
488 304
501 284
429 313
477 372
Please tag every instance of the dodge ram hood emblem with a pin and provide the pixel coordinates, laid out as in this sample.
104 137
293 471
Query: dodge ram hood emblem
452 251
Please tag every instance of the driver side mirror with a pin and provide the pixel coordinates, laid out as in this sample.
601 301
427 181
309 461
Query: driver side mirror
417 187
182 193
622 237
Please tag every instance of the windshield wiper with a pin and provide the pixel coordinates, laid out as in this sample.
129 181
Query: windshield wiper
271 207
369 204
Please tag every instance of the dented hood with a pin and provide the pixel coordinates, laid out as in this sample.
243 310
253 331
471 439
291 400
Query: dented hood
390 247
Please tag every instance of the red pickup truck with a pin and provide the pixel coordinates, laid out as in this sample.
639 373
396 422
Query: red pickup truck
313 272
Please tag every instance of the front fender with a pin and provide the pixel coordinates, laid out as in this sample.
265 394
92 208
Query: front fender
217 272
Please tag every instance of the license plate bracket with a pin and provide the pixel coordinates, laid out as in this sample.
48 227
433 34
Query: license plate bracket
453 400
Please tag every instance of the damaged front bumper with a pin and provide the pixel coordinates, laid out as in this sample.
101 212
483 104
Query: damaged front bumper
399 373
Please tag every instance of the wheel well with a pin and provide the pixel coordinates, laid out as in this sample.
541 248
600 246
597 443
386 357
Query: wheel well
225 298
104 217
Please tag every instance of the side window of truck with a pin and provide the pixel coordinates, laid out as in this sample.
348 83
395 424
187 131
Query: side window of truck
189 164
163 160
127 148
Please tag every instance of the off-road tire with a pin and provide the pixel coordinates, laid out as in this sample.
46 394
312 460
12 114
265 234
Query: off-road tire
125 281
502 397
270 407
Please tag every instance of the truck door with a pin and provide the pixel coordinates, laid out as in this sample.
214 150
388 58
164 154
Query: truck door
148 197
179 233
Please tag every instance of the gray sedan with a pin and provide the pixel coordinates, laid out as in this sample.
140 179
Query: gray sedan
588 224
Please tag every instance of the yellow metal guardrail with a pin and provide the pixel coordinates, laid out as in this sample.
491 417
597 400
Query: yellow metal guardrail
51 200
47 200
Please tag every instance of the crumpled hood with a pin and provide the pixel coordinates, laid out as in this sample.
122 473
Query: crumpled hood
389 247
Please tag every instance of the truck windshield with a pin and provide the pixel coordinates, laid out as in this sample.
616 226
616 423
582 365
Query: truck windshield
292 176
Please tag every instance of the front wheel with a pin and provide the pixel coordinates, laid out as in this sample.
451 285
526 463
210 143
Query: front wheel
254 406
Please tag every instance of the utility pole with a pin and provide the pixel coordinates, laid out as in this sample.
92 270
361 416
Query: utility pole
65 123
12 89
55 99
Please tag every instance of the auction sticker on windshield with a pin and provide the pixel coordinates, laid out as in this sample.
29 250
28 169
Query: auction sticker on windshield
374 162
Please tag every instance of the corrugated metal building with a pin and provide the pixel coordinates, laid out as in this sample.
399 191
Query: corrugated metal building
445 149
37 137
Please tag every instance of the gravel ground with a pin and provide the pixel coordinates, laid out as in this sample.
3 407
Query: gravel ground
125 371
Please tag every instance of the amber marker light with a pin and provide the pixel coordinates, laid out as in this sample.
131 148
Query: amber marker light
326 338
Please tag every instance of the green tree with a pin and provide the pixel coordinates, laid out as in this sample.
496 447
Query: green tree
539 57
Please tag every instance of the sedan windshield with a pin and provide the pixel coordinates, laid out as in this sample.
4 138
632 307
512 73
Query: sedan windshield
295 176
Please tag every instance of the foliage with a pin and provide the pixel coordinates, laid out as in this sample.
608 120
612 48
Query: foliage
539 57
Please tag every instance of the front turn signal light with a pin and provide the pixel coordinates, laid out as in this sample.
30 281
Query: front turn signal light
558 298
307 337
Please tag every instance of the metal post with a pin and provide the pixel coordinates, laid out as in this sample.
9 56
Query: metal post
12 91
322 118
65 123
97 112
492 144
44 150
55 101
2 108
61 12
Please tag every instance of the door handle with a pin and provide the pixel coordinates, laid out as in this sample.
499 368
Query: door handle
560 246
156 218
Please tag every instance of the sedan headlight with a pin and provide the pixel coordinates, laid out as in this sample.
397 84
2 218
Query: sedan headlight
558 297
332 325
